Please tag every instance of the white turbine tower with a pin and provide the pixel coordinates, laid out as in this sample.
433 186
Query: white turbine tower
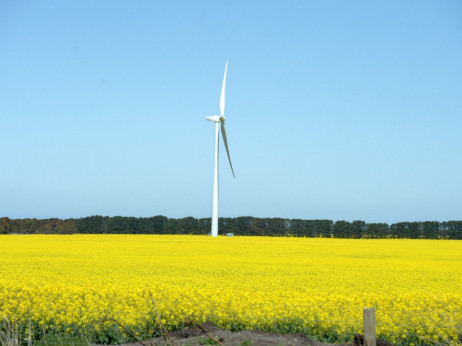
219 119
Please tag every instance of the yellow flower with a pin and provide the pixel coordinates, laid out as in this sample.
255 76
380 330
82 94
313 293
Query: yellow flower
315 285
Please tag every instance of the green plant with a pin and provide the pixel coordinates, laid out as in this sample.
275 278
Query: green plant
9 335
64 340
206 341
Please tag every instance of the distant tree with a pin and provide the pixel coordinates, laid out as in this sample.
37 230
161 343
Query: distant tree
454 229
430 229
398 230
297 228
189 225
276 226
359 229
205 225
157 224
29 226
342 229
244 225
69 226
376 230
90 224
320 228
5 225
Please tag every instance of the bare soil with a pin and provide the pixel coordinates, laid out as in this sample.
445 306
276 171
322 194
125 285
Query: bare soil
206 333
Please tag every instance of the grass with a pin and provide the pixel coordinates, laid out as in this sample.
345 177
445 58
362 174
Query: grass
63 340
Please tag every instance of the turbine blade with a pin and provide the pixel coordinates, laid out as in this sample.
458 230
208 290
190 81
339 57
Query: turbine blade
225 140
222 98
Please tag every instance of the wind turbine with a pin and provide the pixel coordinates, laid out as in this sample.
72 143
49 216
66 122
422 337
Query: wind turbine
219 122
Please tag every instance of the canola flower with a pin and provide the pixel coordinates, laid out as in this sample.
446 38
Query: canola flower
75 284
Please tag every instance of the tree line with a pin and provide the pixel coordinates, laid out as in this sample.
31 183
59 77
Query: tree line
244 225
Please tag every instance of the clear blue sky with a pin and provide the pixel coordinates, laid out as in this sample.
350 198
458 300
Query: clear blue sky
345 110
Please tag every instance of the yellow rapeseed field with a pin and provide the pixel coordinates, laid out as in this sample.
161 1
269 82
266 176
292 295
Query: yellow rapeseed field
71 284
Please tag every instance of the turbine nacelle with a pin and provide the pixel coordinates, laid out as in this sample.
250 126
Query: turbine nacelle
215 118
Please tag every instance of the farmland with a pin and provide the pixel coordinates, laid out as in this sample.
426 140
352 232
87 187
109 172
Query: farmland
75 284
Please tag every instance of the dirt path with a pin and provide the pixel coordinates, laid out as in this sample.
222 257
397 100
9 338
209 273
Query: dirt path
193 336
